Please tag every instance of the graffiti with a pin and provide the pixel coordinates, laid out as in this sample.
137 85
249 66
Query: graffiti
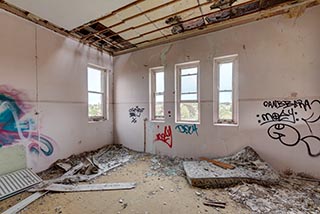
290 136
287 104
134 113
284 118
16 126
166 136
187 129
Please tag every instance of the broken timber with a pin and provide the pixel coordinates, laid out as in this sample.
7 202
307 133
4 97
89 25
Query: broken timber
86 187
24 203
218 163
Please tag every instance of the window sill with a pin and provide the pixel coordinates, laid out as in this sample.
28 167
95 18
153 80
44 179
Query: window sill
188 122
227 124
97 121
157 121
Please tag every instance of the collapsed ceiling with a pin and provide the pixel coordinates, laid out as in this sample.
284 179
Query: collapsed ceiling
145 23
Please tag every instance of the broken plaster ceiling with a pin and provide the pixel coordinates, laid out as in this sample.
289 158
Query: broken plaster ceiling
121 26
71 13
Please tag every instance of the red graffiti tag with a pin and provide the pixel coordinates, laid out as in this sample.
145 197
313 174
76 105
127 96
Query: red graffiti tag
166 136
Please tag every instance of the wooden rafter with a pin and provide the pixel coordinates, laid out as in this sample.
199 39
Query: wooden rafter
156 20
132 17
277 10
108 15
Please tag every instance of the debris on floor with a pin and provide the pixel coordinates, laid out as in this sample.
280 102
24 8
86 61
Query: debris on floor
85 187
290 196
22 204
167 166
161 178
248 167
212 203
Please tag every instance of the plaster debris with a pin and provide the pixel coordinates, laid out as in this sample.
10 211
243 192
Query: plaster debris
289 196
85 187
249 167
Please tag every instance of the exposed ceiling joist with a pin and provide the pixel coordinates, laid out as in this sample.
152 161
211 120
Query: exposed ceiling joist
144 23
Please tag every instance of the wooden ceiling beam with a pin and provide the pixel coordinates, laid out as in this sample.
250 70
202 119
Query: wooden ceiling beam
129 18
156 20
191 19
108 15
212 27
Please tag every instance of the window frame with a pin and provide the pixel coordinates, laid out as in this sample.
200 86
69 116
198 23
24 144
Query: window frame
104 92
235 89
152 93
178 68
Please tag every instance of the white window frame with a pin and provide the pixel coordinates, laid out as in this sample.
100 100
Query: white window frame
235 89
178 68
153 93
104 93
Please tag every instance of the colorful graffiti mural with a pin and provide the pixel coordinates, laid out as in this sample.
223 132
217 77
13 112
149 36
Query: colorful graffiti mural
166 136
16 126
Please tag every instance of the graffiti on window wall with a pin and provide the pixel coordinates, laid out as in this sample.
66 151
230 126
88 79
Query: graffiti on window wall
282 120
165 136
16 126
188 129
135 113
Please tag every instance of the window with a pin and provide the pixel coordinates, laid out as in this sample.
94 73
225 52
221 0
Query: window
187 92
227 94
96 93
157 93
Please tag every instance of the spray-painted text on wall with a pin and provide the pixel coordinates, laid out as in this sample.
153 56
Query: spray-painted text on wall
283 118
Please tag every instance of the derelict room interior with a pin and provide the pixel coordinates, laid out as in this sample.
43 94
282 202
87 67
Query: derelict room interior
159 106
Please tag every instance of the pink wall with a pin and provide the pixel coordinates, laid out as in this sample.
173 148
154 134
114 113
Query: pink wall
55 88
278 59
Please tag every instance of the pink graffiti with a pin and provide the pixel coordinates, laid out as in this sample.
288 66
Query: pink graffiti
166 136
16 126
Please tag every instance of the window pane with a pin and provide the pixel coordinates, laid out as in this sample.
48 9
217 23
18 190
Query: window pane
189 97
159 110
94 80
159 81
225 75
189 111
186 71
95 106
225 105
188 84
159 98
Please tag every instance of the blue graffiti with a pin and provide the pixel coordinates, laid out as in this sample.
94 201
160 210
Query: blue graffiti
14 129
187 129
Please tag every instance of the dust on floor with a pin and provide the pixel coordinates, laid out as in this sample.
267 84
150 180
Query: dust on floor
154 194
163 189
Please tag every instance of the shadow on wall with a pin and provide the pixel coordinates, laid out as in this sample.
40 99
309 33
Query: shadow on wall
16 124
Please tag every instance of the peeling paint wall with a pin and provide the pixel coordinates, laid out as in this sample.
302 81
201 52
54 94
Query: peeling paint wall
279 59
43 96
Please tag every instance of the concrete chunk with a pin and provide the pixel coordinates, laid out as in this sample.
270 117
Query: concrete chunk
249 167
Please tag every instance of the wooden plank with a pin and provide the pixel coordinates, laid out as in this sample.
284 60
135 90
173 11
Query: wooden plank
87 187
73 170
211 204
79 178
24 203
218 163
